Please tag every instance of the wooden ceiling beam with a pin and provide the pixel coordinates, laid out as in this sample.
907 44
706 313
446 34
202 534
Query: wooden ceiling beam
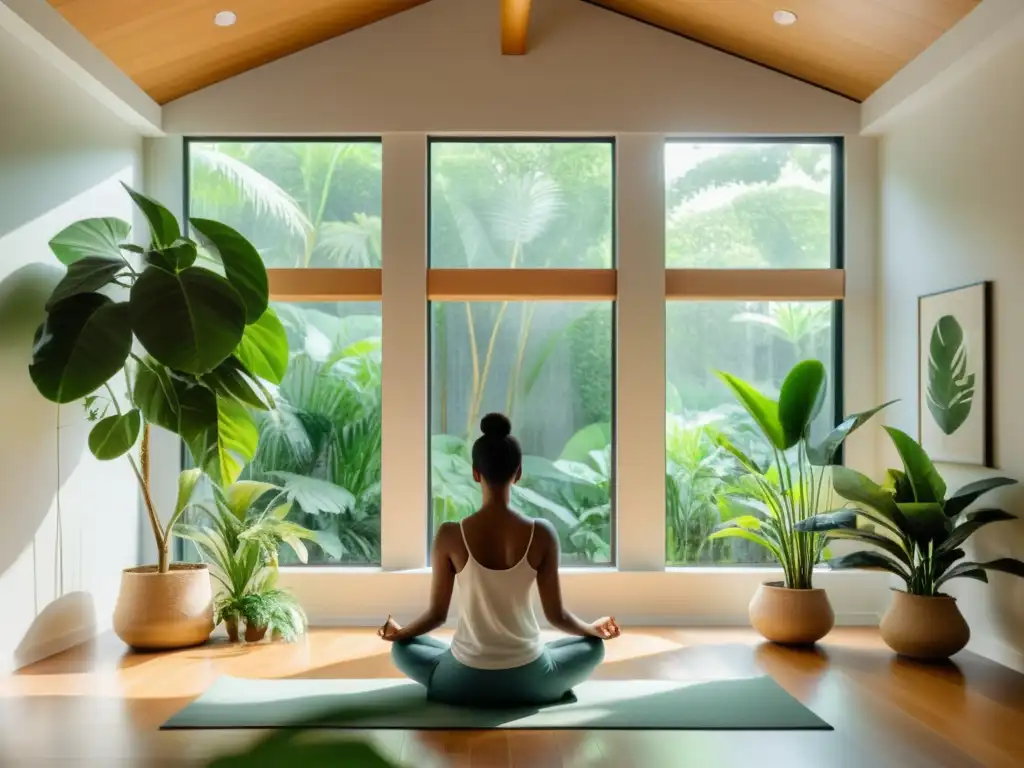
515 21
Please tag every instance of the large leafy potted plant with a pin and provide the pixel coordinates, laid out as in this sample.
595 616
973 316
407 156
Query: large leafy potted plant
771 501
191 343
239 537
917 533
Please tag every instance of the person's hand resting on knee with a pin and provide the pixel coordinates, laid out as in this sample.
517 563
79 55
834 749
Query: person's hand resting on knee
606 628
389 631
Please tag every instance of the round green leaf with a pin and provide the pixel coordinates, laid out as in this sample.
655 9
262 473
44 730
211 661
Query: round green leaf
86 275
190 321
799 397
84 340
115 435
264 348
162 224
90 237
243 266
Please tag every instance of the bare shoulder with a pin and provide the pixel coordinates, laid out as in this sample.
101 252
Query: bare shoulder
545 534
447 537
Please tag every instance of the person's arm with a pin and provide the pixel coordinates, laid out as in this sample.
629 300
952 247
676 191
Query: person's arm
441 585
550 588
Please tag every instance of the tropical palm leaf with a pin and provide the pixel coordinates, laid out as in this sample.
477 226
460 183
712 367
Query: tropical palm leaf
950 385
229 180
524 208
796 322
353 243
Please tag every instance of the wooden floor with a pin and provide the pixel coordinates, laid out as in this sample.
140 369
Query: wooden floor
98 705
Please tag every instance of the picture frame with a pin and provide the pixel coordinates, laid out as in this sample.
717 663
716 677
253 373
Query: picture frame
954 367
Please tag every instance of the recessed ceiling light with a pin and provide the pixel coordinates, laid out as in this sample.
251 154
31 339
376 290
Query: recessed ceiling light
225 19
784 18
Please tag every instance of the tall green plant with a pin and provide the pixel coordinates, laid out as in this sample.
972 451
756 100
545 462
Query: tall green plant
795 486
208 334
915 529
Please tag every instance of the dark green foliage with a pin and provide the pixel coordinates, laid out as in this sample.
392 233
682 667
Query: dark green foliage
922 529
190 320
590 362
780 501
83 342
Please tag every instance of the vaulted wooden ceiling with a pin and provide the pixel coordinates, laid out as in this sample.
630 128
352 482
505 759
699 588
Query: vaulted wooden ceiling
171 47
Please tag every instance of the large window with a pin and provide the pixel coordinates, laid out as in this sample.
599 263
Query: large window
751 247
506 290
313 211
537 344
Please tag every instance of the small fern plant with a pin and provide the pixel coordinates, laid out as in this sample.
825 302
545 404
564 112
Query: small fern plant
239 537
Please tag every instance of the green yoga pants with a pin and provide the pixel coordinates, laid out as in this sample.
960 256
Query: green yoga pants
564 663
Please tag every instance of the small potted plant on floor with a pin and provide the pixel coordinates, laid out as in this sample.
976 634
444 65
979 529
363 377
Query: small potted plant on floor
239 536
916 533
209 337
770 501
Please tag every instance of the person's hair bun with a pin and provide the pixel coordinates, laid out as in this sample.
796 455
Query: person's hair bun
496 425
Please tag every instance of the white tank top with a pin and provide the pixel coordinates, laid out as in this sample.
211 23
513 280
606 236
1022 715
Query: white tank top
497 627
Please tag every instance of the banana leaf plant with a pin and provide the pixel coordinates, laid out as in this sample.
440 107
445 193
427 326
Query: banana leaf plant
192 342
771 501
917 531
239 539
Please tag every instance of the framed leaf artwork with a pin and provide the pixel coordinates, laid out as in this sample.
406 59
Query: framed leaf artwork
954 374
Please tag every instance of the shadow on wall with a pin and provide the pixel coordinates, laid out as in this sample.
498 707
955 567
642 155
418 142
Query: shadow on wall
28 452
1004 595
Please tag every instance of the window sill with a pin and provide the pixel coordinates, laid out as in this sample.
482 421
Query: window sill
669 597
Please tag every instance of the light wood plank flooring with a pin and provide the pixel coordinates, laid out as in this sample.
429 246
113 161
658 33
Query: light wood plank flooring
99 705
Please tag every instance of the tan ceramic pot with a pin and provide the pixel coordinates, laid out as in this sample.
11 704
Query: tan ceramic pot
791 616
161 611
927 628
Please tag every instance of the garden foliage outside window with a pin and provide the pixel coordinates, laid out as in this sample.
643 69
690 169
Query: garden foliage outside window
313 204
732 206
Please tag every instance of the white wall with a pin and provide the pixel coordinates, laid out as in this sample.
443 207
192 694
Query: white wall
952 214
70 523
438 67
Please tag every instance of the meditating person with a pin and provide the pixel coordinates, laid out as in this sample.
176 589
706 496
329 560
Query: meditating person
495 555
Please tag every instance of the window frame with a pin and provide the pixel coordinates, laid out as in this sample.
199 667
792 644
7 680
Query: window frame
465 284
774 284
627 284
821 284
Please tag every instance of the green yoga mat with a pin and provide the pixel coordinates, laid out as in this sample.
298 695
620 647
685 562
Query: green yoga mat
756 703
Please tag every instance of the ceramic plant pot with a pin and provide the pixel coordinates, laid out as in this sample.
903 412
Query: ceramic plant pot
926 628
162 611
791 616
231 625
255 632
